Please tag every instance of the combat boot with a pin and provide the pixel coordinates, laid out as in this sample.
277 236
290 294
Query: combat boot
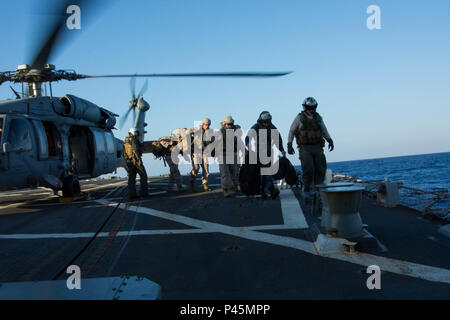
169 188
191 184
227 193
205 187
274 193
180 188
132 195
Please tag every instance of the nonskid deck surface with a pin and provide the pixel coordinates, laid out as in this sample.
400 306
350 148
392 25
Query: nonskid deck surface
202 246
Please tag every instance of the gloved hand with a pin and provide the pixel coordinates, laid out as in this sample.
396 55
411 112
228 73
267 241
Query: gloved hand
330 145
290 149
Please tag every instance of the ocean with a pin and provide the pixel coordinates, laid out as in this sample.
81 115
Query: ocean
427 172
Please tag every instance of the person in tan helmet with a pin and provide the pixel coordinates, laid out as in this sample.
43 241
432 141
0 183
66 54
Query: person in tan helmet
229 174
198 158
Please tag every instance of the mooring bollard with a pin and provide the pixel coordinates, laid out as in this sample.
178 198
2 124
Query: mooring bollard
343 205
326 220
387 194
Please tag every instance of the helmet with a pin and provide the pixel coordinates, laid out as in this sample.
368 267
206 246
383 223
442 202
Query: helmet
228 120
133 131
309 103
265 116
206 121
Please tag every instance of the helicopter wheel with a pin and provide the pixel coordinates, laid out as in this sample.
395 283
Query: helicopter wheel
71 187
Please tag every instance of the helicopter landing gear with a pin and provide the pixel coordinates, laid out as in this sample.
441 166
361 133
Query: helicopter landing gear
71 187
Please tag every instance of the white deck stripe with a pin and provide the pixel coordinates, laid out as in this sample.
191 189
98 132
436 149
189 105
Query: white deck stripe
386 264
100 235
292 212
28 236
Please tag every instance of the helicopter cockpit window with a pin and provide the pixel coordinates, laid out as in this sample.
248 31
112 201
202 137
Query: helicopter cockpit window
19 135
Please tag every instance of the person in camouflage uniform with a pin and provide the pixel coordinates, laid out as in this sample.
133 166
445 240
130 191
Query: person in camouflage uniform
163 148
229 172
132 152
198 158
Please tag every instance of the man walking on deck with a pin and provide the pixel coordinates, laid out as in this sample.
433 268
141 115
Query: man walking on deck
198 157
229 174
132 152
162 148
310 131
264 123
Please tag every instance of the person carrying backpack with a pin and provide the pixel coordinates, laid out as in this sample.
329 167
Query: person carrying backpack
163 148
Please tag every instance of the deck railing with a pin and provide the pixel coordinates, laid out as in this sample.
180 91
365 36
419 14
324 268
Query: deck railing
431 203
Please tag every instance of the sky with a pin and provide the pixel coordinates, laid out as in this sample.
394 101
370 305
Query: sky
382 92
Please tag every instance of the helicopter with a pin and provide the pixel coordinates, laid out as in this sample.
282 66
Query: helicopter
56 141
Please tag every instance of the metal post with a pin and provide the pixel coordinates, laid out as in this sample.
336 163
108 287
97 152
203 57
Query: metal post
343 204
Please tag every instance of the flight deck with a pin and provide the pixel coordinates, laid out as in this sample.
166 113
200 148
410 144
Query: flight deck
204 246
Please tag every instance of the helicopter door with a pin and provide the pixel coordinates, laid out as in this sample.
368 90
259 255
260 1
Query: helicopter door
17 142
82 151
53 140
3 157
100 152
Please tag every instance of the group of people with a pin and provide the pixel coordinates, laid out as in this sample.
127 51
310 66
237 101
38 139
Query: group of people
308 128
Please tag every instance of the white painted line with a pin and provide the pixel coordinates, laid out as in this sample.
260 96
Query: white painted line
49 236
30 236
386 264
104 186
215 227
272 227
100 235
257 196
156 193
382 246
111 192
405 268
291 210
400 267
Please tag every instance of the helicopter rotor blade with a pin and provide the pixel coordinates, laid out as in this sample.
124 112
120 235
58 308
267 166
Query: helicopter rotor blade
53 33
133 87
144 88
212 74
56 31
123 119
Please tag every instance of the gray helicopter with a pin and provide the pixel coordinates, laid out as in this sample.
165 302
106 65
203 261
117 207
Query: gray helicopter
56 141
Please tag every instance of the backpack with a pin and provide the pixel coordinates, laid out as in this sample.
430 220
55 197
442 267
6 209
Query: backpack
287 172
290 175
250 179
158 149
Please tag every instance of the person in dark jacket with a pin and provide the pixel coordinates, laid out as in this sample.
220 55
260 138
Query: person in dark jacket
264 149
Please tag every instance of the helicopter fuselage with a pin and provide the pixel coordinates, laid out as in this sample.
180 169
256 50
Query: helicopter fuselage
46 139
